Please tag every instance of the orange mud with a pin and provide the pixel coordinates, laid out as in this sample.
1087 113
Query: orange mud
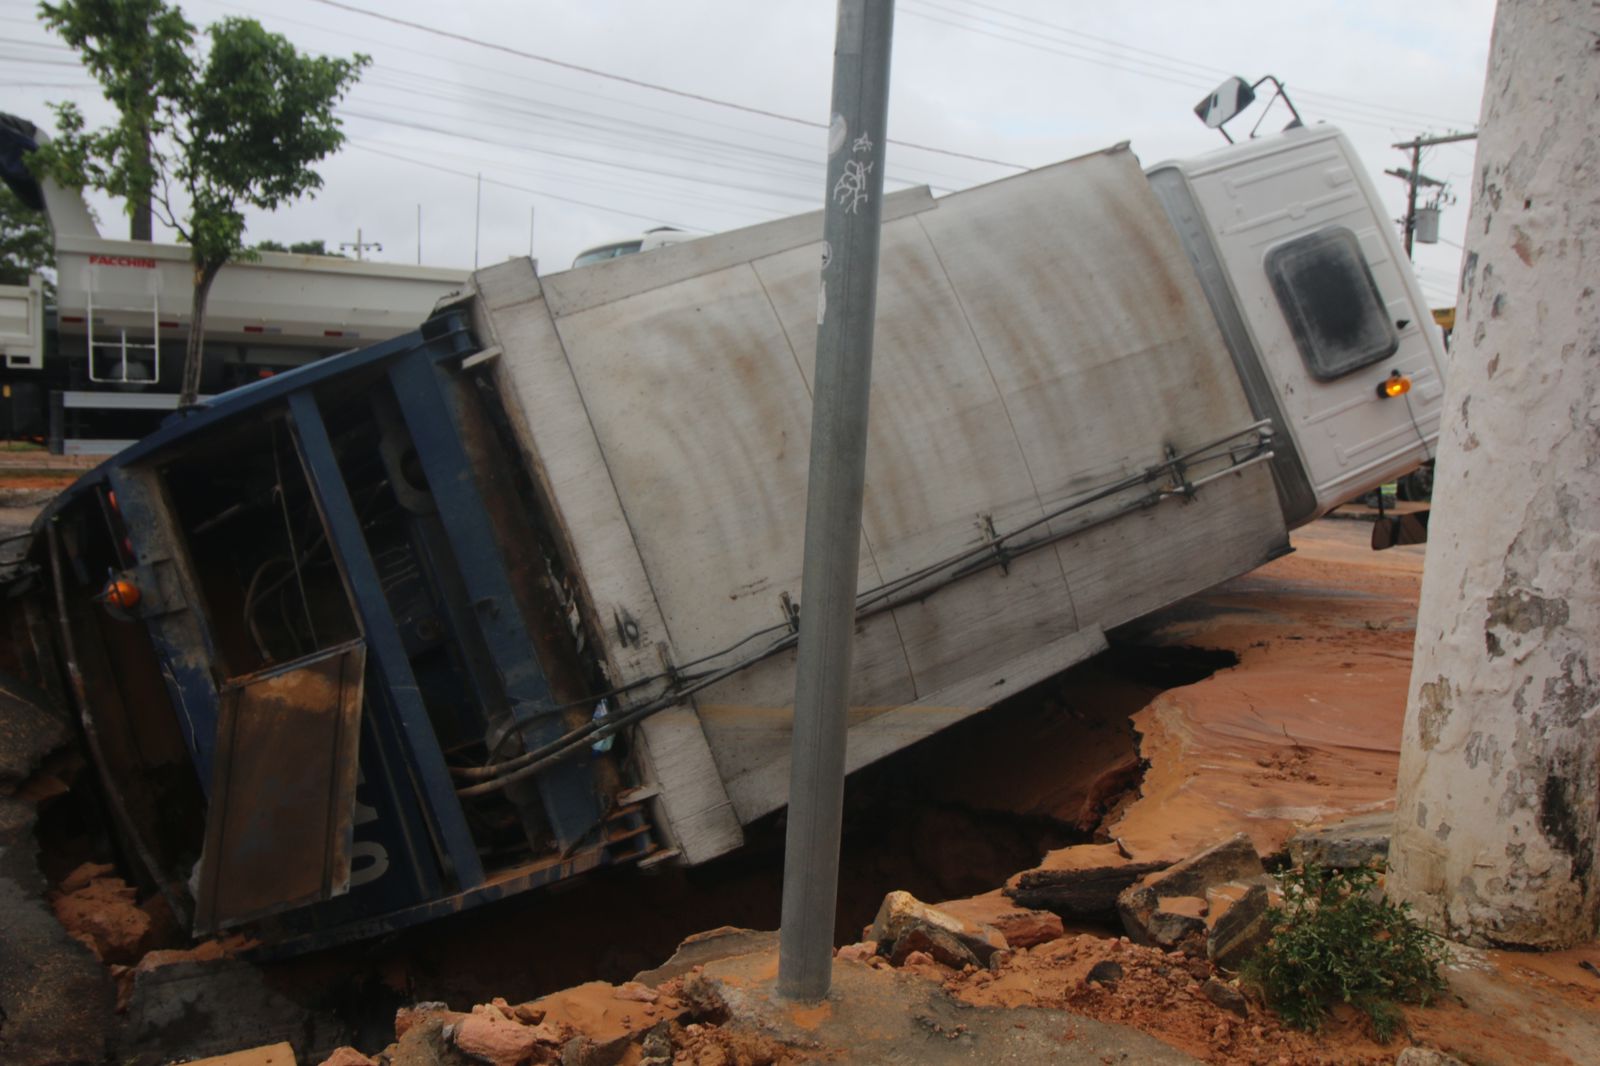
1306 729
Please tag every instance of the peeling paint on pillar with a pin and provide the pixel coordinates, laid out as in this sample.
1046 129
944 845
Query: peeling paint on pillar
1502 735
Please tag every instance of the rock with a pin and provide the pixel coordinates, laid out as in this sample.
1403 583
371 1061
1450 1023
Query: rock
1426 1056
348 1056
1105 972
1237 923
918 958
1177 922
941 946
724 942
656 1048
1362 841
1022 927
901 912
491 1037
636 992
408 1018
1149 916
1226 996
859 952
1080 882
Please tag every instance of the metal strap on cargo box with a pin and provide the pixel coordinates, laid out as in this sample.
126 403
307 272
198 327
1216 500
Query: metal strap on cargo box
383 638
434 420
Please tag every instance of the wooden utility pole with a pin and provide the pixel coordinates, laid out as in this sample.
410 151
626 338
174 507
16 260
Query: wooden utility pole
1497 823
1415 179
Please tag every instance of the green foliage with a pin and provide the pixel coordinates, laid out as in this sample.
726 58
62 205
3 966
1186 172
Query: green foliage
25 244
316 247
232 126
136 50
1337 939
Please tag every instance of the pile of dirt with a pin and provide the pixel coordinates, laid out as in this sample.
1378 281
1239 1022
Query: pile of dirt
1182 1000
100 910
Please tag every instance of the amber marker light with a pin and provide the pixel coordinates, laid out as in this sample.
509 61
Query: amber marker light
1396 384
120 592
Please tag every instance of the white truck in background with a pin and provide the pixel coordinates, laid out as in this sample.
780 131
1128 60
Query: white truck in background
571 507
103 369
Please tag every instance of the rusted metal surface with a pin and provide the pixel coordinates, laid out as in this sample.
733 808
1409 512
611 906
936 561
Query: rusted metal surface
282 803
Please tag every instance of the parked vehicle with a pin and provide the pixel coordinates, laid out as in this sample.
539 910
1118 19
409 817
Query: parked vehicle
103 367
514 596
659 237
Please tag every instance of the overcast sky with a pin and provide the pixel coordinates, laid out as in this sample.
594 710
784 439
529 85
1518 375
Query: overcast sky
594 158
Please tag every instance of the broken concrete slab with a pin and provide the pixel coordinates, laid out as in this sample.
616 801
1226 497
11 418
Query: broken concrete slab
1023 927
1079 883
1236 921
1361 841
1172 908
904 918
724 942
1175 922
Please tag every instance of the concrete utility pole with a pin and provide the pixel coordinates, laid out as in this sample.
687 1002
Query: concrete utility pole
361 245
1499 794
845 313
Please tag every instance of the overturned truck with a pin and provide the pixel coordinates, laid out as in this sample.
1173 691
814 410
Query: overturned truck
514 597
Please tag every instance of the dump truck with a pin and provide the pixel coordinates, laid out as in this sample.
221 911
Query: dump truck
100 368
514 597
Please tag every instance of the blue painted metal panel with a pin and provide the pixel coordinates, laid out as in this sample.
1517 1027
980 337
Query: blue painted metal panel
176 624
383 638
422 388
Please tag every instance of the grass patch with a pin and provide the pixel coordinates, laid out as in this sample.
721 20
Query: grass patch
1337 939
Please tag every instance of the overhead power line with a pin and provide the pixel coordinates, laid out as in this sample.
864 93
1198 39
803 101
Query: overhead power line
654 219
1405 116
639 83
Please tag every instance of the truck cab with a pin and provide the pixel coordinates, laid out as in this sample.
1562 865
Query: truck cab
1318 307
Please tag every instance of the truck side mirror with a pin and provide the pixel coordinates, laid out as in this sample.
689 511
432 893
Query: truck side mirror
1225 101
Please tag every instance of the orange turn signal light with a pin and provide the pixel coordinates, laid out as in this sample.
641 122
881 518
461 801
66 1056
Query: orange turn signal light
1396 384
120 592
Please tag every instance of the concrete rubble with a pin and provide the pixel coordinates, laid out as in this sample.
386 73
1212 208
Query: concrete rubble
1213 903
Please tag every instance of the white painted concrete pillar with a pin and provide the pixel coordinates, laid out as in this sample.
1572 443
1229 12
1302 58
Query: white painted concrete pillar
1495 836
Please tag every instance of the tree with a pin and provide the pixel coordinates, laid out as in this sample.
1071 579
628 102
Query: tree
237 126
25 244
316 247
132 47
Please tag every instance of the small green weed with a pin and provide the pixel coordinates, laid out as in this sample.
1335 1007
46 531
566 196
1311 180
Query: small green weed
1336 939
